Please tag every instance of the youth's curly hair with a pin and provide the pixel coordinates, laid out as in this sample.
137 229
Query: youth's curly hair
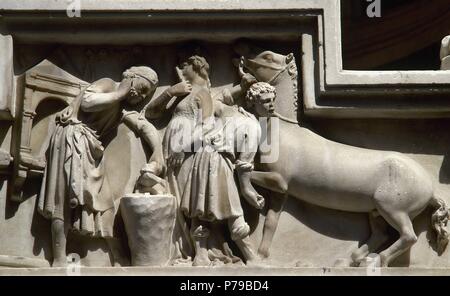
258 88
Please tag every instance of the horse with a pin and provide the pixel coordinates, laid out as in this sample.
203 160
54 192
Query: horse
389 186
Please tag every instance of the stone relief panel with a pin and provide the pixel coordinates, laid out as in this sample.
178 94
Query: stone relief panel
142 126
162 174
199 154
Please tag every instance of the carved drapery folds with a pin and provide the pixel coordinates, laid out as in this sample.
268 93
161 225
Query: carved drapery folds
195 180
39 87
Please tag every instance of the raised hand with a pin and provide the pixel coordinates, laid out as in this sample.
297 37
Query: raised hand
180 89
247 80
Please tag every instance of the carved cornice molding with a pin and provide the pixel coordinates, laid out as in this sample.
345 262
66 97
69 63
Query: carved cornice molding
53 84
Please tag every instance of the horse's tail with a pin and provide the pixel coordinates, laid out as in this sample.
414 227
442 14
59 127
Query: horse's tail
439 219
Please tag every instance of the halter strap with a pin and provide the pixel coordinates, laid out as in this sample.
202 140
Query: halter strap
281 117
281 69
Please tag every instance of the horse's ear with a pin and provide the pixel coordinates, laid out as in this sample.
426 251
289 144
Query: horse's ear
289 58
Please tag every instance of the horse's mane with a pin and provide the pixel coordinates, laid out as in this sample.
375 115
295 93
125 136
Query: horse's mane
293 73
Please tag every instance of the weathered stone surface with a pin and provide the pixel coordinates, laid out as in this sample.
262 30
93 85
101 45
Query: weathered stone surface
149 222
7 110
226 271
18 261
331 185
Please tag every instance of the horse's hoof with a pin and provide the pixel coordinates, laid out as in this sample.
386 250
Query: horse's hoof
343 262
372 260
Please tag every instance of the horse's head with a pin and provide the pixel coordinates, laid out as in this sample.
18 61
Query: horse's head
264 65
276 69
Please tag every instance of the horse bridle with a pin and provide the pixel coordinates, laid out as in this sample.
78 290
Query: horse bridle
270 81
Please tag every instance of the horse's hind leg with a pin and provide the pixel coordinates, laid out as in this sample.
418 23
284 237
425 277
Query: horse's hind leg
402 223
275 208
378 237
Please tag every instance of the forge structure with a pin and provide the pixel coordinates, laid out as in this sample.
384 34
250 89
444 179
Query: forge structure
275 137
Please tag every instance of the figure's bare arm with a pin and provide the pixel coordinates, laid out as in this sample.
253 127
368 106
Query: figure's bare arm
145 129
150 135
157 107
247 140
238 92
205 103
104 93
103 85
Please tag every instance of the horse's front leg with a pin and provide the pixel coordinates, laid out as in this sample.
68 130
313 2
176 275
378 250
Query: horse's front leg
276 204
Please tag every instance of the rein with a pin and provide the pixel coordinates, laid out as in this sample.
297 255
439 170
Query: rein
285 119
271 81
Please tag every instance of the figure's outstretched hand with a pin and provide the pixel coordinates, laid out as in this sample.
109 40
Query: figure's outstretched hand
180 89
150 182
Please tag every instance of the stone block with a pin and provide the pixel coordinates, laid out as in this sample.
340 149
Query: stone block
149 222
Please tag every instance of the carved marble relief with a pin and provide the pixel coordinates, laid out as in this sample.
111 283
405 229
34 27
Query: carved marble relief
201 153
184 201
